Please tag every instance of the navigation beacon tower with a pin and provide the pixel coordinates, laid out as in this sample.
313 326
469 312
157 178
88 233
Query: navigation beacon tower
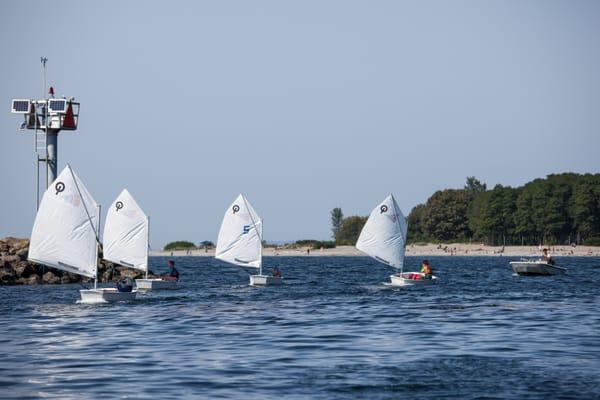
46 118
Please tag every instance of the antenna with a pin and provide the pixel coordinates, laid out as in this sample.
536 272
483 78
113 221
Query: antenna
44 60
47 117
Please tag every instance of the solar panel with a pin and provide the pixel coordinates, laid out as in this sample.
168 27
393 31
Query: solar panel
57 105
20 106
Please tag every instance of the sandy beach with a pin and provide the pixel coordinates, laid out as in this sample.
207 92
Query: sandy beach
451 249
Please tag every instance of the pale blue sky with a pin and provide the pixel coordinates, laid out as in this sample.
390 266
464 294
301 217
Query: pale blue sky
303 106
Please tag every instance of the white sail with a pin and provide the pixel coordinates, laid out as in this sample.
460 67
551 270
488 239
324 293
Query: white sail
126 233
384 235
240 237
65 230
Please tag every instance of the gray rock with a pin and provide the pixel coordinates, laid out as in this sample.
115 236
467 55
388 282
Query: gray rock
23 269
16 243
50 277
22 254
10 259
15 269
7 276
32 280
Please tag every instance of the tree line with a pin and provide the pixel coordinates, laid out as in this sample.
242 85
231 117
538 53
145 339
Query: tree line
559 209
186 245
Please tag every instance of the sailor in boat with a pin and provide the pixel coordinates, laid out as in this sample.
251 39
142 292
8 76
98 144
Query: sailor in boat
426 269
125 284
275 272
546 257
173 274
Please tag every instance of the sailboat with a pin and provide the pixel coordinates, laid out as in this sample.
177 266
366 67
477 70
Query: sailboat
384 238
240 240
65 235
126 237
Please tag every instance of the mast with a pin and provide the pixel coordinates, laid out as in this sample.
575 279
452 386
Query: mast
97 230
261 250
398 214
147 247
257 234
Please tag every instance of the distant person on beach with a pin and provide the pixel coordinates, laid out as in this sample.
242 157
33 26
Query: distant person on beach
546 257
426 270
125 284
173 274
275 272
308 252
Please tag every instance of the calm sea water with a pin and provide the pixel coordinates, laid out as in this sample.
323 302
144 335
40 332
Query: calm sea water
332 331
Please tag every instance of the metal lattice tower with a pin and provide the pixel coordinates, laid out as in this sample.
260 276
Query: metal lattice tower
46 118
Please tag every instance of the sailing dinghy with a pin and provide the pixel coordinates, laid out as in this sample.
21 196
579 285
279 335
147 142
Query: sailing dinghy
384 238
126 237
65 235
240 240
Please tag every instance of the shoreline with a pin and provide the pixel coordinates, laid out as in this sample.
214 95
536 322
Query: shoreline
428 250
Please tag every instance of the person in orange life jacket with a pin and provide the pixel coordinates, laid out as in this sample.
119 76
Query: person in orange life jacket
426 270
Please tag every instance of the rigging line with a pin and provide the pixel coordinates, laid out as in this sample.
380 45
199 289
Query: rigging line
398 214
257 234
84 206
252 219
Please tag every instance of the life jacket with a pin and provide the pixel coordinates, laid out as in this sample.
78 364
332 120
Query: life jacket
426 270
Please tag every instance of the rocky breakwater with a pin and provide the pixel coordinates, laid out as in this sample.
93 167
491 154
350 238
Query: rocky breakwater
16 270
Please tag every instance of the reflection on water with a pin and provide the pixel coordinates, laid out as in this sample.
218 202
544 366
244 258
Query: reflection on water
332 331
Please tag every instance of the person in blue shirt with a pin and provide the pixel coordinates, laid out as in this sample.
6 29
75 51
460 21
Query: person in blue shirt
173 274
125 284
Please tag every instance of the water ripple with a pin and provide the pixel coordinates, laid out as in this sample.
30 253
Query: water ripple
332 331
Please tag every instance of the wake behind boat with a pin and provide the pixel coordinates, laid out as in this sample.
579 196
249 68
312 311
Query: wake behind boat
384 238
536 267
240 241
65 235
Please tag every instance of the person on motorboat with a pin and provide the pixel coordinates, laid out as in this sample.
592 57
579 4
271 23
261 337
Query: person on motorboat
125 284
546 257
275 272
426 269
173 274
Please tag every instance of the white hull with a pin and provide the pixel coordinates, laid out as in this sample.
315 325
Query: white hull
105 295
156 284
264 280
536 268
404 280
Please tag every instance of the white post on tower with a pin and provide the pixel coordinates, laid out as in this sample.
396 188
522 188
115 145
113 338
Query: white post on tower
50 116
